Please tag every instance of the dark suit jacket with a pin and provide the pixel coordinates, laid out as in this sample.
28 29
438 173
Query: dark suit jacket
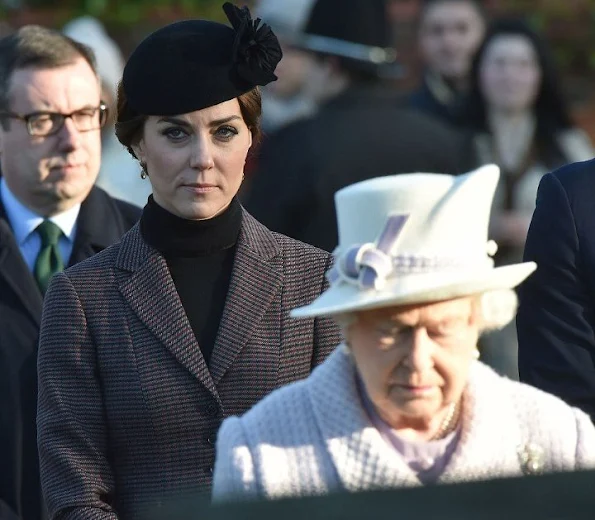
424 100
102 221
128 409
360 134
556 318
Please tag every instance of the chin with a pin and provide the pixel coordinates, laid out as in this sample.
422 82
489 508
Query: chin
201 211
67 191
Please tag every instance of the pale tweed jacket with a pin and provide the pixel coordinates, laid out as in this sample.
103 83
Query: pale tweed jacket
313 437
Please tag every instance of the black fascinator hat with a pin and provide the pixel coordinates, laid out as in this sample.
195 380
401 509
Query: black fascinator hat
194 64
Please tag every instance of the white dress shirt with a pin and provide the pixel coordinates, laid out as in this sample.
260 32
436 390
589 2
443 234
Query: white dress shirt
24 222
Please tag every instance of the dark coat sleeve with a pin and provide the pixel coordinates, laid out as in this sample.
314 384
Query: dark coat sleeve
6 513
10 430
76 477
281 192
556 312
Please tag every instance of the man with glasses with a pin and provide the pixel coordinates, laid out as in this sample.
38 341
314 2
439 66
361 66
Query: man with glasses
51 216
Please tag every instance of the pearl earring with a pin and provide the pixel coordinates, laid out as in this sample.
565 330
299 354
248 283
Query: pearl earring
143 171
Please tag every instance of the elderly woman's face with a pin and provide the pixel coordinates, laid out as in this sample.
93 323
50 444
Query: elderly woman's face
414 360
195 161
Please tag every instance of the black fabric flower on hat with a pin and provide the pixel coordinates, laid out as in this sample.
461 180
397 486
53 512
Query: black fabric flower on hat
256 50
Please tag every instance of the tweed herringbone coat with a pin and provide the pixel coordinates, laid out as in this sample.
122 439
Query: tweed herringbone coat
128 409
314 437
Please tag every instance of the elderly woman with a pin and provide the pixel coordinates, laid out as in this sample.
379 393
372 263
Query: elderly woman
147 347
404 400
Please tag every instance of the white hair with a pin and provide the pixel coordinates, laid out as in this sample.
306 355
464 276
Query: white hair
344 321
498 309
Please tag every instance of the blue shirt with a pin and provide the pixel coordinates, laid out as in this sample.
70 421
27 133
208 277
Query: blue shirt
24 222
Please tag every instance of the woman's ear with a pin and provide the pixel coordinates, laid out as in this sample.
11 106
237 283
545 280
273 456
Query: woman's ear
138 150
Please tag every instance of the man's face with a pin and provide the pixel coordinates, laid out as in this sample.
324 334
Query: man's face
450 35
53 173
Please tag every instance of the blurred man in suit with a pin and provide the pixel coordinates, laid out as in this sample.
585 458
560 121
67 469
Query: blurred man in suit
362 129
556 317
450 32
51 216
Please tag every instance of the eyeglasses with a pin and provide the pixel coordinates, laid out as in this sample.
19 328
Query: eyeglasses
42 124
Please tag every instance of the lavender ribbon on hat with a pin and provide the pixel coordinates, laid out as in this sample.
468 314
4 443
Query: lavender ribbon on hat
369 265
256 50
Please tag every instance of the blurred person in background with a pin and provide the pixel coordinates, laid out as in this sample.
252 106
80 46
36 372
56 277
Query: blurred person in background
520 121
361 127
119 174
403 400
283 100
186 320
51 215
449 34
556 317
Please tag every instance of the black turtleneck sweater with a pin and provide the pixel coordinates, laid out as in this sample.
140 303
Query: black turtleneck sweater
199 255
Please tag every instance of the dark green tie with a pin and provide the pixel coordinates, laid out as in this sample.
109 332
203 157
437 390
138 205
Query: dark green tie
49 262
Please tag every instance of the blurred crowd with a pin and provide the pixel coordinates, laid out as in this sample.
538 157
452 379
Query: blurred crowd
340 112
491 84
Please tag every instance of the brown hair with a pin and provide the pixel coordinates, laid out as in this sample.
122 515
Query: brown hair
40 48
129 125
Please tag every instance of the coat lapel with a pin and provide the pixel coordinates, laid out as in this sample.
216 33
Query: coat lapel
15 273
147 286
362 458
256 280
97 226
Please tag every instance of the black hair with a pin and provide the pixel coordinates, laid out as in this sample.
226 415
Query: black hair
551 110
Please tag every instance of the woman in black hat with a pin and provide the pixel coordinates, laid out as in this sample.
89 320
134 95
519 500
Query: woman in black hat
147 347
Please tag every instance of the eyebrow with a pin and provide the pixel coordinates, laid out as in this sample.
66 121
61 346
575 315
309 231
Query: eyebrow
182 122
50 111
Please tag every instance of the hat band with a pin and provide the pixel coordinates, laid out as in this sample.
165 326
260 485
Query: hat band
369 268
346 49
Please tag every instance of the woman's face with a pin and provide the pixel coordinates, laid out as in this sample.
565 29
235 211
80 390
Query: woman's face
195 161
414 360
509 75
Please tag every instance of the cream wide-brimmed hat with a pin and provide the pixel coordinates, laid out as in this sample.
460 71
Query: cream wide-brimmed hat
414 238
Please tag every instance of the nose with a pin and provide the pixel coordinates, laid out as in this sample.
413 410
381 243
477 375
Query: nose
202 155
69 136
421 349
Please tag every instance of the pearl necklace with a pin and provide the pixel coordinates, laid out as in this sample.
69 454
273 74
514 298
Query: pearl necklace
449 423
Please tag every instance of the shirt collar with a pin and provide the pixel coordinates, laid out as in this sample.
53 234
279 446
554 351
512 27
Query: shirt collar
24 221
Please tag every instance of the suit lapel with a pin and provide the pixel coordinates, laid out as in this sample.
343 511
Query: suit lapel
15 273
362 458
147 286
256 279
98 226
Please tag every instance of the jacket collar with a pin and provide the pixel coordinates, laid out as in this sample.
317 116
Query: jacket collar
98 226
146 284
